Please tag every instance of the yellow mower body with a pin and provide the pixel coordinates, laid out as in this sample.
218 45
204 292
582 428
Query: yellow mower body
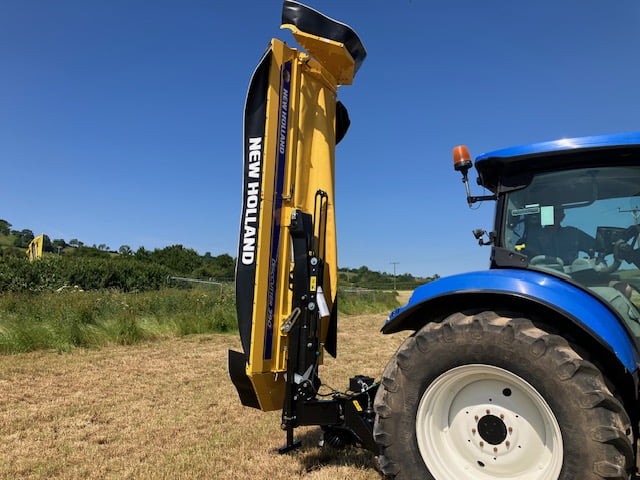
290 139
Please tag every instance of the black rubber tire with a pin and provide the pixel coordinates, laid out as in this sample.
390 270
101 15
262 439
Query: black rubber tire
596 432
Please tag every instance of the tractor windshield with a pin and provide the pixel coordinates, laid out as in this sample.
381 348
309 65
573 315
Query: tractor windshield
583 225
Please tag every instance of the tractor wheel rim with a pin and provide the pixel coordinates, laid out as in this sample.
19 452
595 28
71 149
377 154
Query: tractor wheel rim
484 422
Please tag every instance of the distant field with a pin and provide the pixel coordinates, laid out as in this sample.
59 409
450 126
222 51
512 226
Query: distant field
166 410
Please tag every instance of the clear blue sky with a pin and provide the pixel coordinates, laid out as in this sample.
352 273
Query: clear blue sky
121 121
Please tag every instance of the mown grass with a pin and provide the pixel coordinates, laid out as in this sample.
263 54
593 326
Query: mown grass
167 410
70 319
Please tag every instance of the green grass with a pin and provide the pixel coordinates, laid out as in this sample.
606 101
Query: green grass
366 301
62 321
71 318
6 240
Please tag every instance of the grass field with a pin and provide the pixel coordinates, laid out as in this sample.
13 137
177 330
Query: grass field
166 410
70 319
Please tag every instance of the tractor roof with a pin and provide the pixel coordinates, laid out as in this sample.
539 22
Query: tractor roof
567 153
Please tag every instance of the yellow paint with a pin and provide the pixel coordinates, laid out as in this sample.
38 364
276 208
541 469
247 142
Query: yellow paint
309 167
333 55
34 250
357 405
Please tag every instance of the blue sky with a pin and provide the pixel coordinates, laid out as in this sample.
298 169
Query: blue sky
121 121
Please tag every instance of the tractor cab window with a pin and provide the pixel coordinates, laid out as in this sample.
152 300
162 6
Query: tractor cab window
583 225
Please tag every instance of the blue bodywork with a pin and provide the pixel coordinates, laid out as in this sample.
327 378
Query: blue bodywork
581 307
564 297
595 141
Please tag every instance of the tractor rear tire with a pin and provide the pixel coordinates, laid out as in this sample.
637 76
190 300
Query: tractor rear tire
484 397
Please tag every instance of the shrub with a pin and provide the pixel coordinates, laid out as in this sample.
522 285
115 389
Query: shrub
88 273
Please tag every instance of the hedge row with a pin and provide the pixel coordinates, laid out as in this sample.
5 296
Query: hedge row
55 272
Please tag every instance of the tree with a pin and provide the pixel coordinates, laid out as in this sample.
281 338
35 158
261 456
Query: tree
406 278
5 227
143 254
58 244
177 258
47 246
125 250
226 264
89 252
74 242
222 266
22 237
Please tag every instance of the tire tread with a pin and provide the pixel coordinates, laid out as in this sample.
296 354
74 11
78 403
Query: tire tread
611 421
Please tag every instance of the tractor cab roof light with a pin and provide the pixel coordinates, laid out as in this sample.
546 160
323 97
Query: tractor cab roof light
462 159
462 163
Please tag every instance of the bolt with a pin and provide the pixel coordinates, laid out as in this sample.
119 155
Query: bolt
502 416
314 261
311 306
495 449
510 429
482 444
488 411
473 430
508 443
476 418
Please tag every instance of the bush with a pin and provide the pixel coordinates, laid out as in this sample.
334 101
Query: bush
88 273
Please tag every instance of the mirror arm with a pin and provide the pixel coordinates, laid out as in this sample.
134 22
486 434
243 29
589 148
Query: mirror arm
473 199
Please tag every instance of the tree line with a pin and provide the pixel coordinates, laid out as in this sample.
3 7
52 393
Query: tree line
98 266
177 258
364 277
73 263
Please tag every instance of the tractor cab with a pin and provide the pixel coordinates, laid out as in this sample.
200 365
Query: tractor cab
571 209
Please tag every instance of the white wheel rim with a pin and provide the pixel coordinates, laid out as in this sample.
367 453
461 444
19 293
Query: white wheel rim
484 422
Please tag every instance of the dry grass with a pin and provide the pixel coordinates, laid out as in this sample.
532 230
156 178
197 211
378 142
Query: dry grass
404 296
166 410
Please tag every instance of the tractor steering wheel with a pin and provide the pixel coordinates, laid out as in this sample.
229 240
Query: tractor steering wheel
547 261
633 234
623 248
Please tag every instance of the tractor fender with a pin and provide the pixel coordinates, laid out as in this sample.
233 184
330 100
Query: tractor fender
524 290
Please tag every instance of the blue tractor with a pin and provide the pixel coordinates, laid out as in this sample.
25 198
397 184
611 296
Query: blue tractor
528 370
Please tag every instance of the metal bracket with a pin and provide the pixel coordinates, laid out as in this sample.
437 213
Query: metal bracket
290 321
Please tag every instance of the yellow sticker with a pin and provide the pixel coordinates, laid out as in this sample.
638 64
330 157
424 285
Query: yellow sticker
312 286
357 405
522 246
